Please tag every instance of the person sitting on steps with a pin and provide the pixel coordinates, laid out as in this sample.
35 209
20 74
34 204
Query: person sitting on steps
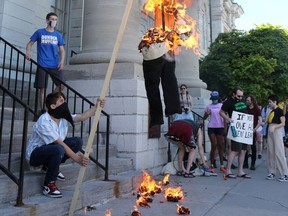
48 145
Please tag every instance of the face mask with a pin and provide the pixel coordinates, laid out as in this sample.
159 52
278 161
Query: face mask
271 105
62 111
214 101
52 23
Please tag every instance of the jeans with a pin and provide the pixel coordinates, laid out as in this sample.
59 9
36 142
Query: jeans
53 155
164 70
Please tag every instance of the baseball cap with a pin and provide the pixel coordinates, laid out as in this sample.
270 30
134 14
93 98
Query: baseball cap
214 95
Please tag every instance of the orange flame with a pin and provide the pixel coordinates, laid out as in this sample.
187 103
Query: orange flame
181 210
142 202
173 24
108 212
165 180
174 194
135 212
148 186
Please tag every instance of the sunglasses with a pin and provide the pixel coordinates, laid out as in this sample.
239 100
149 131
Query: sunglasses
183 88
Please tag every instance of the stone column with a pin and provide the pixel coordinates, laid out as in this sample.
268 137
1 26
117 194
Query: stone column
101 24
187 62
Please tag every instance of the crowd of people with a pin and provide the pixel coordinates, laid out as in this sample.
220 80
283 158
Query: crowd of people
268 131
49 145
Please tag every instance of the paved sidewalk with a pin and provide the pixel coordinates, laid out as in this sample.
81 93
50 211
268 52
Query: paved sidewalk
211 196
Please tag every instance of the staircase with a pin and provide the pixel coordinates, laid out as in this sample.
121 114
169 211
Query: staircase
24 184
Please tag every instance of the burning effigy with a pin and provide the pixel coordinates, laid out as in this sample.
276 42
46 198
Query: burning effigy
174 194
172 25
172 29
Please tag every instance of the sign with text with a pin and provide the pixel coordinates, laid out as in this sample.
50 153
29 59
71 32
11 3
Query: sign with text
243 128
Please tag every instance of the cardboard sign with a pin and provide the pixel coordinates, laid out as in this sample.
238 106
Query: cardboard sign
243 124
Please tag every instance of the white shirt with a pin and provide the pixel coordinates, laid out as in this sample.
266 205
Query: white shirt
46 131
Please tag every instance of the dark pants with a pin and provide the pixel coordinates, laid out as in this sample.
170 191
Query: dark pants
253 150
164 70
53 155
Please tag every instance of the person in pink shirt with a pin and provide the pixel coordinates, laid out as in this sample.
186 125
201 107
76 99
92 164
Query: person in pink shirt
215 129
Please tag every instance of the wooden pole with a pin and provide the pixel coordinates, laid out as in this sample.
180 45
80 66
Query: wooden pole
99 109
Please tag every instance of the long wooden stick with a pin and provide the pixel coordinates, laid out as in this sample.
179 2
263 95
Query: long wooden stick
103 95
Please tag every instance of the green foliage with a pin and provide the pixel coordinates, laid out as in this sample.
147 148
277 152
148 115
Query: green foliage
256 60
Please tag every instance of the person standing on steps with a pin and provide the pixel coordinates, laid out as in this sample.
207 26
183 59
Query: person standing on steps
186 104
50 56
48 145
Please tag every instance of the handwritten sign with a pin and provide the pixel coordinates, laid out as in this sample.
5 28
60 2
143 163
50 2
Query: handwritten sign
243 124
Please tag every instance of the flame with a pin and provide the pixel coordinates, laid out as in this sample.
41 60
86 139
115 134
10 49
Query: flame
178 28
174 194
135 212
181 210
148 186
108 212
142 202
165 180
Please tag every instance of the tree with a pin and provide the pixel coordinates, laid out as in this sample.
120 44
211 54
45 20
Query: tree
256 60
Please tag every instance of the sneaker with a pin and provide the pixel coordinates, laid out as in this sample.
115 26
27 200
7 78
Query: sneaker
51 190
259 156
222 169
60 176
283 178
271 176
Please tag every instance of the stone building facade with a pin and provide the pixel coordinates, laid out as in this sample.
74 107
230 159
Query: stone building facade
90 28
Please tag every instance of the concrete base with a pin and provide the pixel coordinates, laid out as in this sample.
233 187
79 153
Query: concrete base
127 105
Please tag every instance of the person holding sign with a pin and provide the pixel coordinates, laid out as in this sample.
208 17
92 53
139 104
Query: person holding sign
275 147
235 103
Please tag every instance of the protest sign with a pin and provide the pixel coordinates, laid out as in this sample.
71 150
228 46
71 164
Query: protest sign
243 128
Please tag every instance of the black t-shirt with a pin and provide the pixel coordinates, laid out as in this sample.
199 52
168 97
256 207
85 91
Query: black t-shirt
256 112
275 115
231 105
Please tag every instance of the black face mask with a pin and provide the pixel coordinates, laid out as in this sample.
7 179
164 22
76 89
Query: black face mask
62 111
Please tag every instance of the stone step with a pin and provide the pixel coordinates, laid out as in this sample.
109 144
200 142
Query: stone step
92 192
33 180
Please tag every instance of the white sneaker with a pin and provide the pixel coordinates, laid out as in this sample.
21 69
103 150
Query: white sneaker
283 178
60 177
271 176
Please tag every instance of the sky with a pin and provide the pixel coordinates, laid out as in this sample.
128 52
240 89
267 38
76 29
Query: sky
257 12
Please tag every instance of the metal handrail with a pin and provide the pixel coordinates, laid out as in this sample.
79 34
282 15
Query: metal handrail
17 75
7 169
